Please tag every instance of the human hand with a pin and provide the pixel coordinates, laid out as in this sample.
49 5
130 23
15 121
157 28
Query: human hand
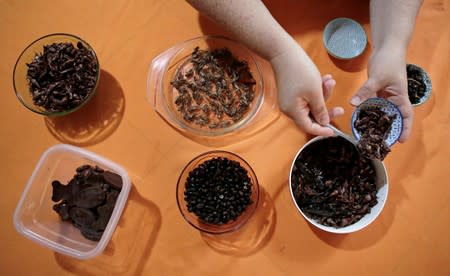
302 92
387 79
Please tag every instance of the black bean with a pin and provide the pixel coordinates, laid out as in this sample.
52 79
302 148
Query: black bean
216 186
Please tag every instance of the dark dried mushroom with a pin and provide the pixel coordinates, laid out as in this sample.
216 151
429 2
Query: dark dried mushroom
88 200
62 76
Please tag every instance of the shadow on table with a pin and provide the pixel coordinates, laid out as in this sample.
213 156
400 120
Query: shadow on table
96 120
355 64
252 237
299 17
131 245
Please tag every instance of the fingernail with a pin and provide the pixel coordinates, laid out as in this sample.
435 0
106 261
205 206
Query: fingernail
324 120
355 100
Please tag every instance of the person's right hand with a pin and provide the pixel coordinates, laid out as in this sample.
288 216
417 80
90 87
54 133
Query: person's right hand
302 92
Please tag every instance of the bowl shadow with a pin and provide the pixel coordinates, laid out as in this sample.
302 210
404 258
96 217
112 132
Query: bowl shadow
356 64
96 120
252 237
130 247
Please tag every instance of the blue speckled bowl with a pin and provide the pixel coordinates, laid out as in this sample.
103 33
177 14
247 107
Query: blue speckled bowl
426 80
390 109
344 38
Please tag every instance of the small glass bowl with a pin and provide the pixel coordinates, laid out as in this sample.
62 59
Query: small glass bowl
164 67
210 228
20 81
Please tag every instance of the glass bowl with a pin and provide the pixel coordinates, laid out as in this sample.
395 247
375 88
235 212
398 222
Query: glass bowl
211 228
164 67
35 218
20 81
382 186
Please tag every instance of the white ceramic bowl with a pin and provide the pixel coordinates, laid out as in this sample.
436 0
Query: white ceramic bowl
35 218
382 187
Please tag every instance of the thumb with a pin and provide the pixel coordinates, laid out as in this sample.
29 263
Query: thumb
368 90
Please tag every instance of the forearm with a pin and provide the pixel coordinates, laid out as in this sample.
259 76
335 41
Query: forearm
392 22
250 22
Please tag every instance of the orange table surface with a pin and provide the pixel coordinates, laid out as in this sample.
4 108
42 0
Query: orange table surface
409 238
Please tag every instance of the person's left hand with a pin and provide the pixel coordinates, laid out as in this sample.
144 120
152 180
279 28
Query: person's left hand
387 79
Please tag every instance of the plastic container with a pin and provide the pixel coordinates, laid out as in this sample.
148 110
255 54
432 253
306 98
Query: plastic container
34 217
20 81
382 185
210 228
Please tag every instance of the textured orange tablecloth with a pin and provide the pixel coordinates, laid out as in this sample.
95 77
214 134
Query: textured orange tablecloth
409 238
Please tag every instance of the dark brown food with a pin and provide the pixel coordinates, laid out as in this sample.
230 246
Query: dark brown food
63 76
374 125
88 200
332 183
416 84
218 190
216 92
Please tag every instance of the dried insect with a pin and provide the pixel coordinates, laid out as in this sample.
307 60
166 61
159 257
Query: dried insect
221 86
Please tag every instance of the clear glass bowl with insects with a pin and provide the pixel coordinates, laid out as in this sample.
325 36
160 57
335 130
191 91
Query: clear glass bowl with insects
56 74
217 192
208 86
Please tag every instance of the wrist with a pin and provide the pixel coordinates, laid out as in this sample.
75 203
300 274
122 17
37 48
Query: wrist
393 45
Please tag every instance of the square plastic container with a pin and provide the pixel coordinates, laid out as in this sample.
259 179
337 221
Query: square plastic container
35 218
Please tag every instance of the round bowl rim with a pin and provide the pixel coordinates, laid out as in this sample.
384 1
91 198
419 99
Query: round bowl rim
60 113
253 206
236 126
334 230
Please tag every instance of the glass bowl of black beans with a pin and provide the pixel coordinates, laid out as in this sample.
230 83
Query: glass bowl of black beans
56 74
217 192
335 188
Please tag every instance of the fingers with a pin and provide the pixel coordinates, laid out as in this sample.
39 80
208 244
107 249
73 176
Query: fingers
317 101
302 119
336 112
406 110
368 90
328 84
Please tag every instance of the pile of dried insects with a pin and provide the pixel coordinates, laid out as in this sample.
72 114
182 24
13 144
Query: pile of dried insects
218 190
88 199
374 126
332 183
416 84
62 77
215 89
